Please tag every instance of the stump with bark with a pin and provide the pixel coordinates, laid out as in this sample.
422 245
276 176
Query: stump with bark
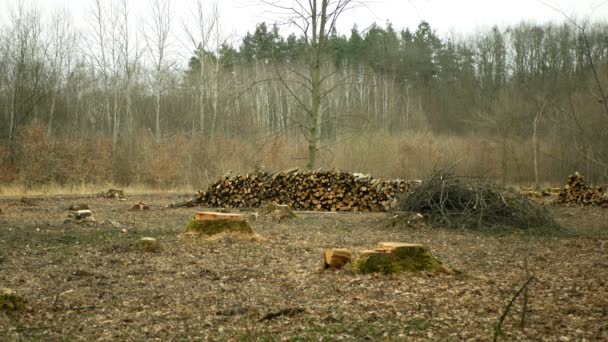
212 223
396 257
140 206
10 301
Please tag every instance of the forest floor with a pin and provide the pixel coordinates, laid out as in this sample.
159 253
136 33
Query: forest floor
87 282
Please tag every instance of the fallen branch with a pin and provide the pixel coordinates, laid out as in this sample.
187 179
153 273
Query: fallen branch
285 312
498 329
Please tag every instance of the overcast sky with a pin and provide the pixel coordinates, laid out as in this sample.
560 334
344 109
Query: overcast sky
446 16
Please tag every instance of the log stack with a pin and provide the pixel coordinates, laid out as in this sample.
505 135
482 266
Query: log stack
321 190
578 193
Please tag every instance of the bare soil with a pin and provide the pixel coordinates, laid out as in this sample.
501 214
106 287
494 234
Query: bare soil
86 281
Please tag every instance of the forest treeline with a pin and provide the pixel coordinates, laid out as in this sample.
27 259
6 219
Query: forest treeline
109 103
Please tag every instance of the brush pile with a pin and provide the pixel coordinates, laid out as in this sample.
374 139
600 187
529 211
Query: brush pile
321 190
455 202
578 193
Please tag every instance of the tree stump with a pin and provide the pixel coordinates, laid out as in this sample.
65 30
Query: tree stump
147 244
140 206
115 193
336 258
212 223
278 212
396 257
10 301
80 214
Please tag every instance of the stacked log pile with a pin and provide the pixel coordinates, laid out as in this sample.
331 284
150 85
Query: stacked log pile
578 193
321 190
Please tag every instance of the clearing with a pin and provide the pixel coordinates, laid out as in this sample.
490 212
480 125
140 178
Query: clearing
87 281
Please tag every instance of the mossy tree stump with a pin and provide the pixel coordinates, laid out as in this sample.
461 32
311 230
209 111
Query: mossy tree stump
279 212
211 223
147 244
396 257
10 301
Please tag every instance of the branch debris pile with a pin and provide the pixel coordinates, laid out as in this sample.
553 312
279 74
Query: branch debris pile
455 202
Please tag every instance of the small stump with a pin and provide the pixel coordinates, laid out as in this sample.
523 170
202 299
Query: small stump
278 212
396 257
80 214
147 244
336 258
115 193
211 223
10 301
140 206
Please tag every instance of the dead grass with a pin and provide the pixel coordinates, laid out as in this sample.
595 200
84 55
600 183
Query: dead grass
83 189
86 281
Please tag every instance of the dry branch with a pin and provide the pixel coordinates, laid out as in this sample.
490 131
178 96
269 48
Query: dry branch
473 203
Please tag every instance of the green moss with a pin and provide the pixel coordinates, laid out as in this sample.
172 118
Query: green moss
216 227
10 301
382 263
401 259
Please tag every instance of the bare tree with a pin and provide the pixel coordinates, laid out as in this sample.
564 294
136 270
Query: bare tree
156 35
315 19
104 52
61 49
26 78
201 41
129 56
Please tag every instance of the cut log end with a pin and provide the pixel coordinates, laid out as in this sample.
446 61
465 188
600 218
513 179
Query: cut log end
214 216
336 258
140 206
80 214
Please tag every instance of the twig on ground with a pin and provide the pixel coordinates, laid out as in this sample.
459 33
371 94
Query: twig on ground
498 328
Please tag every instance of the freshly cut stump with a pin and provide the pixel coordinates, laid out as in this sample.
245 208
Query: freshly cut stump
140 206
336 258
212 223
80 214
396 257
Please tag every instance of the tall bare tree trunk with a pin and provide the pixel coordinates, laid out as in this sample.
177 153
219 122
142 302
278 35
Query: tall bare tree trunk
52 109
201 109
157 126
536 147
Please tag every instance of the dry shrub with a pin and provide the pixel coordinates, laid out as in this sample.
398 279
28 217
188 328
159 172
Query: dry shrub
8 172
64 161
34 156
165 166
195 160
